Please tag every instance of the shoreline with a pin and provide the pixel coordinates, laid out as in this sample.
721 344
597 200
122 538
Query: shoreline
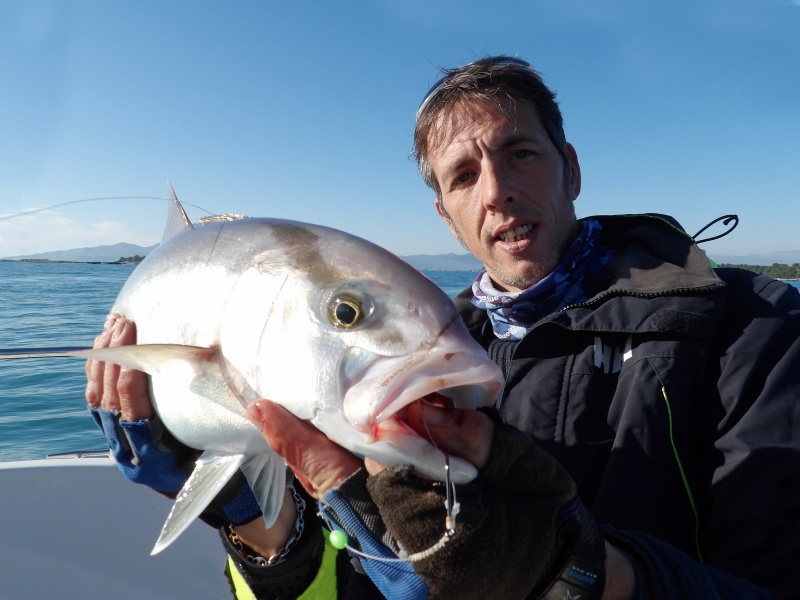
71 262
421 268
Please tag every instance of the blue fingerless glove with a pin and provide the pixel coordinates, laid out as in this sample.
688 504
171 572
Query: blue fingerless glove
147 453
349 508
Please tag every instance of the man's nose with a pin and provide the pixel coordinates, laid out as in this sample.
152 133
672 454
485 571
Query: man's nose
496 187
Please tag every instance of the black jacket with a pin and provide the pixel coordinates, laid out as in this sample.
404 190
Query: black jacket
673 399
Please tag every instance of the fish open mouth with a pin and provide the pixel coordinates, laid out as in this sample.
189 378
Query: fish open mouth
384 405
402 423
437 399
451 379
382 398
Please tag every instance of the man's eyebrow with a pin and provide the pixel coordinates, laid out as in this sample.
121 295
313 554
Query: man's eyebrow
517 138
453 169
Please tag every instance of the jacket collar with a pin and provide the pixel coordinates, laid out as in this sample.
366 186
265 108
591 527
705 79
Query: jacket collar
654 257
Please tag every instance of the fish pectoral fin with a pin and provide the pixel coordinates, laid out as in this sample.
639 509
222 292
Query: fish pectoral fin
212 472
266 474
151 358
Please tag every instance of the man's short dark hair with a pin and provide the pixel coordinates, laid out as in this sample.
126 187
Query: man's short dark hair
492 79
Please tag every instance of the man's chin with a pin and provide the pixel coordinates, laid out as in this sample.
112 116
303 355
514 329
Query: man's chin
515 280
518 273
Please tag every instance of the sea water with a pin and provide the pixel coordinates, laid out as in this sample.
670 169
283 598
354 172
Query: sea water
42 405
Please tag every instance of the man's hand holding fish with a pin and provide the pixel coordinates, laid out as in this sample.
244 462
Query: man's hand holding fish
411 509
145 452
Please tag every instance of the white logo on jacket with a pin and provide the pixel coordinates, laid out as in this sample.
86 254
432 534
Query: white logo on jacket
609 359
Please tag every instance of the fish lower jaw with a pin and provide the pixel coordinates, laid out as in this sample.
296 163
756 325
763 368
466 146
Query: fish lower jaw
438 392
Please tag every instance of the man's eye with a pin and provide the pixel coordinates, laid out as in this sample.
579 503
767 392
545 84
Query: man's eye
521 154
463 178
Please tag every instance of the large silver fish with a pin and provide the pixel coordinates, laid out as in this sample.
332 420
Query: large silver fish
337 330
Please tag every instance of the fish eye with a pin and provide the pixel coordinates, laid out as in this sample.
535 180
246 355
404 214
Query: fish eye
345 312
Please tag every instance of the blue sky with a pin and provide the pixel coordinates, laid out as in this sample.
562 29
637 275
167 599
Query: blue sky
305 110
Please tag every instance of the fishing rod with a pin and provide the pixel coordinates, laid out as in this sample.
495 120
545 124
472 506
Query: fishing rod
55 351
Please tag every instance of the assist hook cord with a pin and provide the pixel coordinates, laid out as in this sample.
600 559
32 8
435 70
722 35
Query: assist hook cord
452 508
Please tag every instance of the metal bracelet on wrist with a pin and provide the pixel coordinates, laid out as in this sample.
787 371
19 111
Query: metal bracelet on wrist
252 557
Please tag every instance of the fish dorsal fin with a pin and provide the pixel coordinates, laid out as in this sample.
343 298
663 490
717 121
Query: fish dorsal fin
177 219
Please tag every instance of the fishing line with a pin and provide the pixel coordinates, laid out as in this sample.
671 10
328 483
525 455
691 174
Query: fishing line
54 206
66 351
451 504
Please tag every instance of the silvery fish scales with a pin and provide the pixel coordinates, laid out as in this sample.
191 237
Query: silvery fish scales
336 329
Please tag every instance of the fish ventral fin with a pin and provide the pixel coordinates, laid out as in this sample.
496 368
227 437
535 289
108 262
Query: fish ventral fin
211 473
177 219
266 474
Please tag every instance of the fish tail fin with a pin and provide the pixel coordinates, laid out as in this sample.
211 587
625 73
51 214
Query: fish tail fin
212 472
266 474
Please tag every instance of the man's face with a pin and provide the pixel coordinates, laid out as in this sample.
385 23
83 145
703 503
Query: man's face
504 191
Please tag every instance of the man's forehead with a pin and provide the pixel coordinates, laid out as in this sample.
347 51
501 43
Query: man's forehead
474 118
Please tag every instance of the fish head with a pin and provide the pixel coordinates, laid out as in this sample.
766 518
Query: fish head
377 335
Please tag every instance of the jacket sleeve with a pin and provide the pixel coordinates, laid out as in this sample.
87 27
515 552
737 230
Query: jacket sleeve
663 572
522 532
754 525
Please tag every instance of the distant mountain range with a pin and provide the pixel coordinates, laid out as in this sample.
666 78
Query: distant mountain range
442 262
787 257
96 254
439 262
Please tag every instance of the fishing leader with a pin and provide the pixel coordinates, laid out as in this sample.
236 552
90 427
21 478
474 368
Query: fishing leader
646 444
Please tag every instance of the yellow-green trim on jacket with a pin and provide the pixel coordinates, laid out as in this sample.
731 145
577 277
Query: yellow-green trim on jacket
322 588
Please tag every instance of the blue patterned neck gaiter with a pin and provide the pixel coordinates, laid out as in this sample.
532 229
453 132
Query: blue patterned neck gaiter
572 281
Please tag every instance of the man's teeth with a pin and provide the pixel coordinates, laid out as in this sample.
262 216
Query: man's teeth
517 234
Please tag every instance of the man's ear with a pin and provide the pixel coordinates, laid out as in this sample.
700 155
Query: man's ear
444 215
574 171
448 220
438 204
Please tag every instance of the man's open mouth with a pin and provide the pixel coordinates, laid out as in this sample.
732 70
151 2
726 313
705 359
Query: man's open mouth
515 235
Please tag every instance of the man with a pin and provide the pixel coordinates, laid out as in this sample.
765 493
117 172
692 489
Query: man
666 390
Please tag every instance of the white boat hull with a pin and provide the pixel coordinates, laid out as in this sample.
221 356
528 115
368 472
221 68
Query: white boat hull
76 528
